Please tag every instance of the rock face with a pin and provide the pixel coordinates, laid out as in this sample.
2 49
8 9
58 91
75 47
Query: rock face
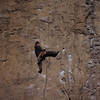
57 24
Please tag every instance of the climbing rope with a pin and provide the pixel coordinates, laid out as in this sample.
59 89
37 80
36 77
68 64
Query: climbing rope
46 79
67 93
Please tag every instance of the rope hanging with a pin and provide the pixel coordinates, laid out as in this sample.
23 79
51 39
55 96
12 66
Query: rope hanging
46 79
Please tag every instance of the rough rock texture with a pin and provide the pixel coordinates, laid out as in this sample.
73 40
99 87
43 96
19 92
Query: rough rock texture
70 24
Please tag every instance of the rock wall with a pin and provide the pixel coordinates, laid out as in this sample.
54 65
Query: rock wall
70 24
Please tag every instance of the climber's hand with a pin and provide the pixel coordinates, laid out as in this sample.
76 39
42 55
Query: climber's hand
44 51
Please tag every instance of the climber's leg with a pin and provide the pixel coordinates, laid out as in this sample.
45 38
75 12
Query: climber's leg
40 67
40 59
48 54
51 53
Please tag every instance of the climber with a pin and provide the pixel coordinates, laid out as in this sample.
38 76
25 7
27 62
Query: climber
41 54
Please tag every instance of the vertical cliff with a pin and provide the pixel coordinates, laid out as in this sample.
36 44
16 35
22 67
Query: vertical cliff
57 24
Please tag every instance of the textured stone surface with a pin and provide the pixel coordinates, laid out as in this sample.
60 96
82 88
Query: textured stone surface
70 24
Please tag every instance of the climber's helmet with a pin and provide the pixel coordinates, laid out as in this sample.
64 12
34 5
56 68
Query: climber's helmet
37 43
